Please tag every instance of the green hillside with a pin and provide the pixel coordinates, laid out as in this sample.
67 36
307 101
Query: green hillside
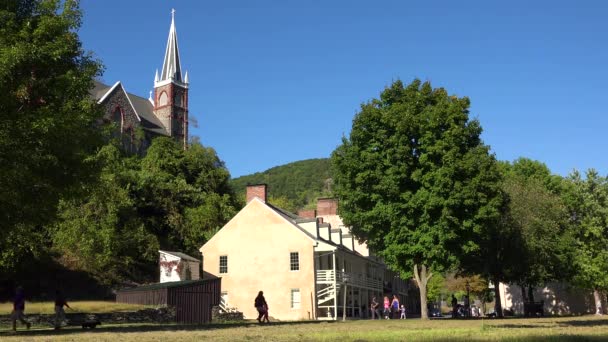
295 185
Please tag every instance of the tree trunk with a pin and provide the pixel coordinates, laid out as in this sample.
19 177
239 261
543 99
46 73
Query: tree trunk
422 279
524 296
531 294
497 303
599 310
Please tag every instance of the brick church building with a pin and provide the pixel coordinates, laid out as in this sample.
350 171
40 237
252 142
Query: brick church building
164 113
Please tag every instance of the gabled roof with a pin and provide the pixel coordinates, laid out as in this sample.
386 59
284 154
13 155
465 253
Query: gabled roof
143 108
181 255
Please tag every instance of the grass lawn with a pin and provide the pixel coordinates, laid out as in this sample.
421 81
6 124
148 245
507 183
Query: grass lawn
79 306
585 328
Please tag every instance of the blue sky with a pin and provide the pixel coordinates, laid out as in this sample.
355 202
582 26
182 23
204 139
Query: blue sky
273 82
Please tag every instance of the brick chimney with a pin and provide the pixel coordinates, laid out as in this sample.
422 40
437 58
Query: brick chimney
256 190
327 206
307 213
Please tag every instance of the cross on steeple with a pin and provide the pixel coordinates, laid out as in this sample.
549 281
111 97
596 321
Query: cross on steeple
172 13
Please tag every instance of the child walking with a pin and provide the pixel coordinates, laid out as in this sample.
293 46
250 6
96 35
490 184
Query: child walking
402 312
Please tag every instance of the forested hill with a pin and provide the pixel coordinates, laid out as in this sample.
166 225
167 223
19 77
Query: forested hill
300 183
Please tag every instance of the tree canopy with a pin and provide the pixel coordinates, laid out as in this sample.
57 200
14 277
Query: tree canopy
171 199
47 118
415 181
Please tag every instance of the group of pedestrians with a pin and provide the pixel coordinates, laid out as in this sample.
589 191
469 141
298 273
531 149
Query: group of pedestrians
18 313
392 309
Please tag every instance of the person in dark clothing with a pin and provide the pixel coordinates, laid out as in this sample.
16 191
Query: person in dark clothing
60 302
454 306
261 305
18 308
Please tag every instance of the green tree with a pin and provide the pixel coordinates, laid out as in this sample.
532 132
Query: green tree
415 181
102 234
587 203
537 213
47 128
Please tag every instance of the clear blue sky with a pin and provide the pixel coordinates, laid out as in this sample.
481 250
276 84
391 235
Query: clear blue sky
278 81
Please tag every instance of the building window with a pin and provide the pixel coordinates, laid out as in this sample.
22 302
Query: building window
295 298
223 264
294 261
117 119
163 99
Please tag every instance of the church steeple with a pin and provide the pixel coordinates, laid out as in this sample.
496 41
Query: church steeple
171 65
171 91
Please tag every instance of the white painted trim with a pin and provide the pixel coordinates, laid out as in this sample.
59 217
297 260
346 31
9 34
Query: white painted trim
126 94
131 103
108 92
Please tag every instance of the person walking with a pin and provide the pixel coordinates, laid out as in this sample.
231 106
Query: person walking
387 308
395 307
454 306
261 306
60 302
402 312
265 318
374 308
18 309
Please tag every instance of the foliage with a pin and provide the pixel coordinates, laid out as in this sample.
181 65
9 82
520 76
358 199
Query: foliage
102 233
537 213
169 199
435 287
415 181
587 203
300 183
46 120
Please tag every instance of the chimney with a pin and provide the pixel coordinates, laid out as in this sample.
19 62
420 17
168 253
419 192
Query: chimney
256 190
307 213
327 206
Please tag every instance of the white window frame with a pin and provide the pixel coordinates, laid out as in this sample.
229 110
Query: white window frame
291 262
220 264
293 304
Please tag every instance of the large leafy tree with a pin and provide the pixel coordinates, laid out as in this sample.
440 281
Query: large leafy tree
587 203
47 120
415 181
537 214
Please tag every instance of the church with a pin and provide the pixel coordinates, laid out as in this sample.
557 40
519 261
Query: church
163 113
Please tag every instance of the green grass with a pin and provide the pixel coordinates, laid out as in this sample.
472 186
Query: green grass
78 306
585 328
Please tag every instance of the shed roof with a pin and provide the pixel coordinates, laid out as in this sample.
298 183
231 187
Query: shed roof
181 255
167 285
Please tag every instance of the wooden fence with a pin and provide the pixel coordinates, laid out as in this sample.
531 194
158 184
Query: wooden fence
192 299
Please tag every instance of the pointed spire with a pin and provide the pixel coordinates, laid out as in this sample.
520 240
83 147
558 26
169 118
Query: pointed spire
156 76
186 78
171 64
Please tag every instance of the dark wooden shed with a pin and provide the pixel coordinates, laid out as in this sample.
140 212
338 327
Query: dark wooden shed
192 299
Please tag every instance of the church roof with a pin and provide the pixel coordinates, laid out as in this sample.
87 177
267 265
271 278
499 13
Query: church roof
141 106
172 68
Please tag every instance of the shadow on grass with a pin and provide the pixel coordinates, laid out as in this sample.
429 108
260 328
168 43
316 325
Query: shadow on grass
145 327
585 323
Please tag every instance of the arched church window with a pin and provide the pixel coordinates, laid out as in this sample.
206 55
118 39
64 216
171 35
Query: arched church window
117 118
163 99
